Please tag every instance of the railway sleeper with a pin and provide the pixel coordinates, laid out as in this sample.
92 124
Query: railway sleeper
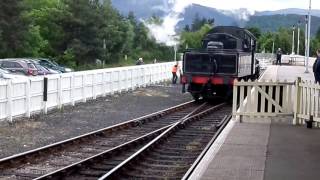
141 170
165 161
170 167
159 167
91 173
172 157
178 142
153 177
177 153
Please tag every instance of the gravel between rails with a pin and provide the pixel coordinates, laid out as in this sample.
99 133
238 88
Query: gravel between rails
41 130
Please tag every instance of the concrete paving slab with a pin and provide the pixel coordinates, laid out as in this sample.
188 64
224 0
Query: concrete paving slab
242 155
293 153
243 150
233 174
249 134
289 73
226 161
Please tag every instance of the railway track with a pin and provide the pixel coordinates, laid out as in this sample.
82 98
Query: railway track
53 158
167 154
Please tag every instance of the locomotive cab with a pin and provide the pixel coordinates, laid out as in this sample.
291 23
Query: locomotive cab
227 54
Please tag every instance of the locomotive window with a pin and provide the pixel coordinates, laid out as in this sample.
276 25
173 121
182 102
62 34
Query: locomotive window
210 64
226 63
199 63
227 41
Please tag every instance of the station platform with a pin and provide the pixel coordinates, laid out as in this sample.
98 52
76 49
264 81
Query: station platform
266 149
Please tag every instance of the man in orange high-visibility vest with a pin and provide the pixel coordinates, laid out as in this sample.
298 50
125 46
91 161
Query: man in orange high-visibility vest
174 73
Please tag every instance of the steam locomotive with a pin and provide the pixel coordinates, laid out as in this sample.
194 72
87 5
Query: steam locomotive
227 53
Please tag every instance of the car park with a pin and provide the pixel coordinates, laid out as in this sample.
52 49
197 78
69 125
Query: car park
19 66
53 65
41 69
5 74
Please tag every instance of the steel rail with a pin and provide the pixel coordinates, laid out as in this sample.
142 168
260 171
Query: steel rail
59 173
220 127
87 135
114 171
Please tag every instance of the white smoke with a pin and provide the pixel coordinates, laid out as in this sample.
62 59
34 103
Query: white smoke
165 32
239 14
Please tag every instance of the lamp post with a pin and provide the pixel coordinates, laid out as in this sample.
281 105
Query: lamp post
306 39
272 46
175 51
308 42
293 28
298 44
104 52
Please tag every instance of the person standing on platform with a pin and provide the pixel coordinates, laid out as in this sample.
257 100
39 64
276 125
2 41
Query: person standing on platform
174 73
316 67
139 61
279 54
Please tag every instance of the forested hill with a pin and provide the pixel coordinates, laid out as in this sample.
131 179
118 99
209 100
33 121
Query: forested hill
273 22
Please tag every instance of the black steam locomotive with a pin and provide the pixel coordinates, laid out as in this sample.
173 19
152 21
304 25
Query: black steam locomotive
227 53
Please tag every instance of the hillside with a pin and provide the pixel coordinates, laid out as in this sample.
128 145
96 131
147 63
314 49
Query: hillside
266 20
206 12
314 12
273 22
143 9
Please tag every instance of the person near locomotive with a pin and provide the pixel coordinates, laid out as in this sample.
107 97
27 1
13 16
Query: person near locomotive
139 61
279 54
316 67
174 71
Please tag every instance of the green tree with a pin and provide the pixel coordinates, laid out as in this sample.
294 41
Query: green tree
255 31
193 39
45 15
81 23
198 22
13 28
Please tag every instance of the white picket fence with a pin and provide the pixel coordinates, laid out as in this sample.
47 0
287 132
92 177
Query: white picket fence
266 98
23 97
307 102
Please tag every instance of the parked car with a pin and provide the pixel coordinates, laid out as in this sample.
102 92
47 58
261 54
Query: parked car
53 65
19 66
41 69
5 74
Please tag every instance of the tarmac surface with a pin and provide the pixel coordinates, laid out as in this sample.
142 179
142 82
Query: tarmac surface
41 130
293 153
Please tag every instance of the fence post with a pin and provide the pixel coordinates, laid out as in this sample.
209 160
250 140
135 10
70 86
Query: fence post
297 101
72 90
45 95
235 94
28 97
119 81
94 83
60 92
9 100
84 97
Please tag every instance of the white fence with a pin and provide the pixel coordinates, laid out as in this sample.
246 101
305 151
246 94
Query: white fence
307 102
22 97
263 99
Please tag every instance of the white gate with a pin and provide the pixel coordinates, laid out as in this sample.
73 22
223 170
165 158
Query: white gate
262 98
299 98
307 102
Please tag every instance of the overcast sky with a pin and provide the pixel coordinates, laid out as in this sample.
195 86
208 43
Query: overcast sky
257 5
